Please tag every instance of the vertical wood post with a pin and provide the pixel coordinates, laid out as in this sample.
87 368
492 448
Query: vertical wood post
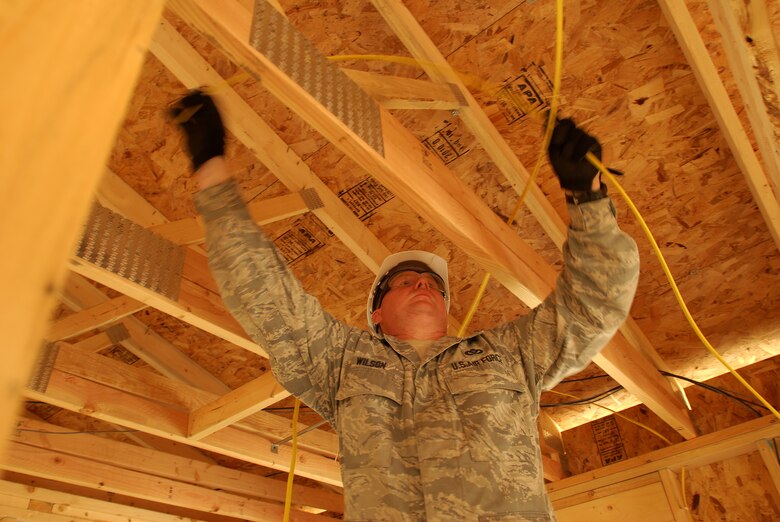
69 71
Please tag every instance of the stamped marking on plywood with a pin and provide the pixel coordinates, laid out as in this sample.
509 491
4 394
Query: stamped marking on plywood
447 143
305 237
608 440
528 91
365 198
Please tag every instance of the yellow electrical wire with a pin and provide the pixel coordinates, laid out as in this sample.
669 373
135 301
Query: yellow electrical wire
551 117
294 454
604 172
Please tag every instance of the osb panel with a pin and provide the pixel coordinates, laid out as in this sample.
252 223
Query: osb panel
735 489
711 412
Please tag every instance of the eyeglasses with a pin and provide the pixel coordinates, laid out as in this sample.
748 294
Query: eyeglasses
410 278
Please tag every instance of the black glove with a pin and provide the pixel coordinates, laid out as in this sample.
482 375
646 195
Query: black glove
567 150
199 117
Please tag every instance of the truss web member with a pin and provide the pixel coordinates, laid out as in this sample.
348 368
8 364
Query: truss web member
431 427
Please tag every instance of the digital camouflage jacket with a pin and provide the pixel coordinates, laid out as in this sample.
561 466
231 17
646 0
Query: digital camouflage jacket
449 438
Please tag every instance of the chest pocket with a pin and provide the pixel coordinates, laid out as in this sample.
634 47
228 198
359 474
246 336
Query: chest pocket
369 405
495 410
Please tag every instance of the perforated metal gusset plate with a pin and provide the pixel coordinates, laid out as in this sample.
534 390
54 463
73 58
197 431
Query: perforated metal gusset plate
39 380
120 246
276 38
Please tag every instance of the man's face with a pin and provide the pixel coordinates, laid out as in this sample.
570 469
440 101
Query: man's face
413 307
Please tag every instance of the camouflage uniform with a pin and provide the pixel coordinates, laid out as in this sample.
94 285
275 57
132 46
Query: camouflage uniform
452 437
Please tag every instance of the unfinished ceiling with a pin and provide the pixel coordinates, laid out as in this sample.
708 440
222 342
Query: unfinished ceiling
433 160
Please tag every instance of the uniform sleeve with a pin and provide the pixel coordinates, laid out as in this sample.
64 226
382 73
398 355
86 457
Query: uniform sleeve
591 299
304 342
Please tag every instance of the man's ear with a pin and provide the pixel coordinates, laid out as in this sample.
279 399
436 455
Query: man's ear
376 316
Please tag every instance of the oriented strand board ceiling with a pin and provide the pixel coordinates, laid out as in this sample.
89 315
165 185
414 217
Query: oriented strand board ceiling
626 80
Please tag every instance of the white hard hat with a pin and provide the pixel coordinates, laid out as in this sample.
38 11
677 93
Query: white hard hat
416 260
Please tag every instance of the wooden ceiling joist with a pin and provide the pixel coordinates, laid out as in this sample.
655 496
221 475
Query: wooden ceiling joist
137 399
145 343
84 80
125 456
397 92
752 53
192 230
86 472
436 194
104 314
692 44
242 402
40 504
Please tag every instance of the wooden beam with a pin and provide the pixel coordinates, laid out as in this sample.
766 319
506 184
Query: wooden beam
172 467
240 403
95 343
71 506
117 406
86 472
702 450
687 34
104 314
192 230
673 490
411 172
195 305
144 343
767 448
397 92
752 60
181 397
64 100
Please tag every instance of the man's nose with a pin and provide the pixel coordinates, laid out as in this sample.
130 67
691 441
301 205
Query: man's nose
423 282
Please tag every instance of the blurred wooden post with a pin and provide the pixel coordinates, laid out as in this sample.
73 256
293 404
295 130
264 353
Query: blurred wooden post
69 71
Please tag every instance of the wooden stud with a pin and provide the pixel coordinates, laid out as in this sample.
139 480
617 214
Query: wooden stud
95 317
65 100
737 22
690 40
242 402
170 466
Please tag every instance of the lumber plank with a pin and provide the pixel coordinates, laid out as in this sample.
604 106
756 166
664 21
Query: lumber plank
242 402
69 505
737 22
85 472
97 316
679 18
85 61
143 342
195 305
192 230
397 92
181 397
672 488
169 466
117 406
768 452
702 450
412 173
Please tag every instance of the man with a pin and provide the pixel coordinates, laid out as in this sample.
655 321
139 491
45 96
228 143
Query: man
431 427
